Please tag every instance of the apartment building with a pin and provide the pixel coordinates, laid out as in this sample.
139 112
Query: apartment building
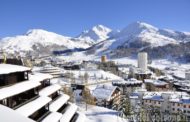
34 97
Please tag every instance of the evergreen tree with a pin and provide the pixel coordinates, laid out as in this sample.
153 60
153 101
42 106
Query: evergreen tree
125 107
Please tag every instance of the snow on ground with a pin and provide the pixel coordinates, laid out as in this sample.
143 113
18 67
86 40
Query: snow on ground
95 77
77 56
125 60
101 114
174 68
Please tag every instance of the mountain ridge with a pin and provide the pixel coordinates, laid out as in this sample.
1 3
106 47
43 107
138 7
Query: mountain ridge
137 36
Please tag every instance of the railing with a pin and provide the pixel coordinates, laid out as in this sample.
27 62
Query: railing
55 99
18 106
74 118
64 108
43 116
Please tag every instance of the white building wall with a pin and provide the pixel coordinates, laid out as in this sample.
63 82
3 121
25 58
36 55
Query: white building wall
142 61
187 75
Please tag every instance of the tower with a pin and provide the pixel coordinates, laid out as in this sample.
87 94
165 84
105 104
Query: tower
103 58
142 61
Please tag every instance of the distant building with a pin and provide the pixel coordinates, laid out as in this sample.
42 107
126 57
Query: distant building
142 61
170 102
54 71
156 85
33 96
187 75
128 86
138 74
107 95
103 59
109 66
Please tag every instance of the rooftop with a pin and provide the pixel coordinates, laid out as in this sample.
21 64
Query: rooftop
9 68
9 115
49 90
155 82
104 91
28 109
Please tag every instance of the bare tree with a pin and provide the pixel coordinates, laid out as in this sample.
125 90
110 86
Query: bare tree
87 97
86 77
68 91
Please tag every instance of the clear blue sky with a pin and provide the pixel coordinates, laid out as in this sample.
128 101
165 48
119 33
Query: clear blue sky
70 17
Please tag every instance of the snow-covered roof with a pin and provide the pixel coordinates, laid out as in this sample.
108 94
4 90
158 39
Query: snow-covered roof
131 81
155 82
58 103
53 117
31 107
173 96
9 68
134 95
39 76
9 115
49 90
104 91
69 113
17 88
81 117
180 97
154 97
33 82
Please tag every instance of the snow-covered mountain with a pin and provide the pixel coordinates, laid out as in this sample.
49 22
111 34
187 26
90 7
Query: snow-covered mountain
141 35
37 38
98 40
96 34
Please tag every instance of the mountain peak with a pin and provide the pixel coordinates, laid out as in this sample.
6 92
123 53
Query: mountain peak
96 33
37 32
101 28
143 25
138 27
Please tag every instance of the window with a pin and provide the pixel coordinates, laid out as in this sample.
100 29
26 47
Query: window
178 104
158 102
150 101
173 104
184 111
173 109
184 106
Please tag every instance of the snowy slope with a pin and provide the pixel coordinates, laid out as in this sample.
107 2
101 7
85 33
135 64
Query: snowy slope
101 40
140 31
96 34
141 35
38 36
101 114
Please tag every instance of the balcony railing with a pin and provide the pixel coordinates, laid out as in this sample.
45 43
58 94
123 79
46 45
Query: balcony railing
29 100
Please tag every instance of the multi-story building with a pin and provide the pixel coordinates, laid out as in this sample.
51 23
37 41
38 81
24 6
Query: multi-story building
143 61
32 96
156 85
128 86
54 71
170 102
